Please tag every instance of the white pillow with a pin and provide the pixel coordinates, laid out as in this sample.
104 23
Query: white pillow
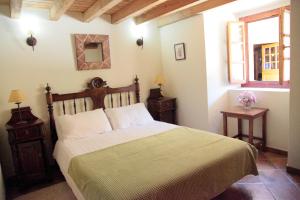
82 124
127 116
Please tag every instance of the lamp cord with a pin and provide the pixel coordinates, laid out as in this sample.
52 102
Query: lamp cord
20 116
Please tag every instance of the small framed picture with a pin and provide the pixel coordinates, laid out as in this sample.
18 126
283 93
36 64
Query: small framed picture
179 51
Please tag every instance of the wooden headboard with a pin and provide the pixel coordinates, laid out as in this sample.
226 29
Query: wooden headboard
97 91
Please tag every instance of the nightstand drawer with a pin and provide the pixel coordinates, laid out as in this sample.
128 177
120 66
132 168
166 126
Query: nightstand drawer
167 105
163 109
28 133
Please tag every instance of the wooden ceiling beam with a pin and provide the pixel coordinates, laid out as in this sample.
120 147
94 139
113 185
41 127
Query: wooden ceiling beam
59 8
162 9
191 11
99 8
15 8
134 8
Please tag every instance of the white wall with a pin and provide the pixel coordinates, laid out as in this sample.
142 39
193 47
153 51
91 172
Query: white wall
186 80
294 137
215 23
53 62
277 100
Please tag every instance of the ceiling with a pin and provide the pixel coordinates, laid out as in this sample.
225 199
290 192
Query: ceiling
118 10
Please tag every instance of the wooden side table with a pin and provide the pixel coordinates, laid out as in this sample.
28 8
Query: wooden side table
240 113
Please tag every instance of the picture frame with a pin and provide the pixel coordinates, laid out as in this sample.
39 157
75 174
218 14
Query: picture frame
179 50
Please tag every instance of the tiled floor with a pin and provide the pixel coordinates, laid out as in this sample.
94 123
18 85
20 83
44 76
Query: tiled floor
13 192
273 182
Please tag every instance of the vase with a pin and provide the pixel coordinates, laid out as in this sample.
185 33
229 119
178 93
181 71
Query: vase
247 107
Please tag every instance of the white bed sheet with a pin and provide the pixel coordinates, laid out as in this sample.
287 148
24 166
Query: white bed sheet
65 150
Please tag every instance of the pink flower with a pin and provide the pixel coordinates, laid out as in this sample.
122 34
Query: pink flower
247 98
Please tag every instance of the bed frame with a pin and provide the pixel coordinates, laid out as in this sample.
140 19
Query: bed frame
97 91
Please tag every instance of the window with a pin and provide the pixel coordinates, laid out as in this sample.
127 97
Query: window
258 49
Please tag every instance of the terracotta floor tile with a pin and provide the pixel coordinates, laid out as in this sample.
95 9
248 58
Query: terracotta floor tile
279 163
261 156
258 191
250 179
284 191
264 165
234 193
270 155
246 192
293 177
275 176
60 191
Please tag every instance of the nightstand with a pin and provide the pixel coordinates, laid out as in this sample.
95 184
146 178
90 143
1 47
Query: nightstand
163 109
27 146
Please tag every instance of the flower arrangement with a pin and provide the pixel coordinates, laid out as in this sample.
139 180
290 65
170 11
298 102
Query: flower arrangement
247 99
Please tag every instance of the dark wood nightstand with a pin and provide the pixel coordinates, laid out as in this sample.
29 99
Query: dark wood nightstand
28 149
163 109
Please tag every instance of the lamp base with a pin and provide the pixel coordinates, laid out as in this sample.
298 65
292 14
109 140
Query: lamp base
155 93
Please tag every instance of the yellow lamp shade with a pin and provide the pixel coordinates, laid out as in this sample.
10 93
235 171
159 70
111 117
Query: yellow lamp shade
16 96
159 80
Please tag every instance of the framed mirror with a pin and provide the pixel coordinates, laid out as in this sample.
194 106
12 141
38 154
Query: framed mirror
92 51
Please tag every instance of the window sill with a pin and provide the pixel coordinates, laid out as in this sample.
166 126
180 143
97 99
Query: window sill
261 89
266 84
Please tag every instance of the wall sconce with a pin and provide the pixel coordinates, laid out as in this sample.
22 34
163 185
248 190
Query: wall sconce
29 26
31 41
140 42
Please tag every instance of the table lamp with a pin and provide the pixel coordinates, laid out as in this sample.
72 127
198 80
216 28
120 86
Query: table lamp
156 93
17 97
159 80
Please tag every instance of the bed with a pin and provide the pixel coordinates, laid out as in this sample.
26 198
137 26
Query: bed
152 160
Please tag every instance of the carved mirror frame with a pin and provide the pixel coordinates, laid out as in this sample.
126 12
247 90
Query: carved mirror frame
81 40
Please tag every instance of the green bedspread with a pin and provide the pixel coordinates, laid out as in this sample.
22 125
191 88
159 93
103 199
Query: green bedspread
182 163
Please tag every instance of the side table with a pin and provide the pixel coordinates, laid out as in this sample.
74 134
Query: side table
240 113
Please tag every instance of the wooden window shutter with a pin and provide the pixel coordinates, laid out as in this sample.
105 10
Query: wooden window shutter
284 45
236 52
